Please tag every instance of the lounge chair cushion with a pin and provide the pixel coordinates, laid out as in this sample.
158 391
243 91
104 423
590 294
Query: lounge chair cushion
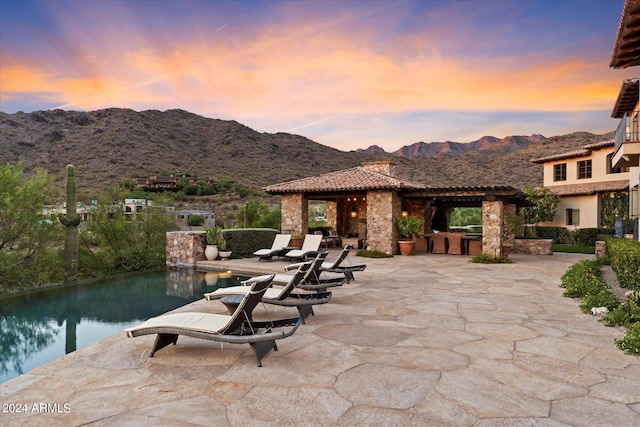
194 321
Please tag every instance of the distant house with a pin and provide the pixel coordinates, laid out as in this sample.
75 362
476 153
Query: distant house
184 215
582 179
155 182
626 53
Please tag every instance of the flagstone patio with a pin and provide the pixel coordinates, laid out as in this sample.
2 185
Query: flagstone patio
420 340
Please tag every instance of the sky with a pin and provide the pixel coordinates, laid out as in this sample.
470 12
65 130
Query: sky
344 74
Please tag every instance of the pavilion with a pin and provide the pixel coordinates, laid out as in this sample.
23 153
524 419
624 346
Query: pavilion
366 201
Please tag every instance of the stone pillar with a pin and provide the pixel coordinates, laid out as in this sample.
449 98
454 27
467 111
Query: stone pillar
295 214
382 208
184 248
492 228
601 249
332 215
428 216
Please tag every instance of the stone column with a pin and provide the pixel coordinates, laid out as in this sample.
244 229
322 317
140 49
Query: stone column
382 208
492 228
184 248
295 214
332 215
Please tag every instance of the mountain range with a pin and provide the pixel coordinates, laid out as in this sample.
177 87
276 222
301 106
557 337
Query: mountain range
109 145
451 149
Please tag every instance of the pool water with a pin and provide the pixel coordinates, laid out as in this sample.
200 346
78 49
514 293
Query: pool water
42 326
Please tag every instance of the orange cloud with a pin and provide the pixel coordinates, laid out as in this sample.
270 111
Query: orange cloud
301 70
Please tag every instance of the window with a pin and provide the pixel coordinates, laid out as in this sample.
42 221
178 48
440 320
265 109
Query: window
560 172
584 169
573 216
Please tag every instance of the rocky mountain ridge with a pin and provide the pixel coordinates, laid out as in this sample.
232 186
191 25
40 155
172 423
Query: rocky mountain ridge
109 145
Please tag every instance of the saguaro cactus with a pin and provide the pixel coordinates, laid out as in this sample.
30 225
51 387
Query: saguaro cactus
70 221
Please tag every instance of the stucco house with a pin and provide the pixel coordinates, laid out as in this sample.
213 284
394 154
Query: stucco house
583 179
626 53
366 200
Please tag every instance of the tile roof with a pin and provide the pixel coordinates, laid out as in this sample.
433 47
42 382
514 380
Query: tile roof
627 98
354 179
625 51
584 151
589 188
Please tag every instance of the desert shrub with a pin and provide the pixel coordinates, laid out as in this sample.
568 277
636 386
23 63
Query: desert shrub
113 244
625 261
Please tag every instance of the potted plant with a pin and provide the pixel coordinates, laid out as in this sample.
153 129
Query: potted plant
511 225
211 236
296 241
223 252
408 226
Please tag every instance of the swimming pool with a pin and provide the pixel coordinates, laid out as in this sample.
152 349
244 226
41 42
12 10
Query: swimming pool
42 326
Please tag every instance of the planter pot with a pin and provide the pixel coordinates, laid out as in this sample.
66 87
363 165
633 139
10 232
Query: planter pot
296 242
406 247
506 249
211 252
224 255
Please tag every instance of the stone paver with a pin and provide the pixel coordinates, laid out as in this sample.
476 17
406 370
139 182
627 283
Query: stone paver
420 340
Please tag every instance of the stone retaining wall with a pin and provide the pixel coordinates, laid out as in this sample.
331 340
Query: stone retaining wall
184 248
533 246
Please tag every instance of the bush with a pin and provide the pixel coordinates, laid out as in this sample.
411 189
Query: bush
562 236
583 279
373 254
603 298
485 258
195 221
630 344
625 261
243 242
622 315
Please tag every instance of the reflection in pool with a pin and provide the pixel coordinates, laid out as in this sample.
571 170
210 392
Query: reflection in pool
42 326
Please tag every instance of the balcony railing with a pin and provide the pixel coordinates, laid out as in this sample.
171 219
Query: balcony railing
624 133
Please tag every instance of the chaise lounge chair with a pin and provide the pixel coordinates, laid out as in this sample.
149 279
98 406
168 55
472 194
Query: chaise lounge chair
237 328
277 248
315 279
337 267
310 246
282 295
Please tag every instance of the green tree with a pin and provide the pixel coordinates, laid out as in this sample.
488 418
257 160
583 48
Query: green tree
113 244
30 245
259 215
544 206
465 216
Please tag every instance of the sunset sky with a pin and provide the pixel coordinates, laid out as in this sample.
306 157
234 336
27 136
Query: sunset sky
344 74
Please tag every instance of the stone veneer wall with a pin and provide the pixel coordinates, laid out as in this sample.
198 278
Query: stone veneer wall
332 215
295 214
533 246
381 233
601 249
492 228
184 248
